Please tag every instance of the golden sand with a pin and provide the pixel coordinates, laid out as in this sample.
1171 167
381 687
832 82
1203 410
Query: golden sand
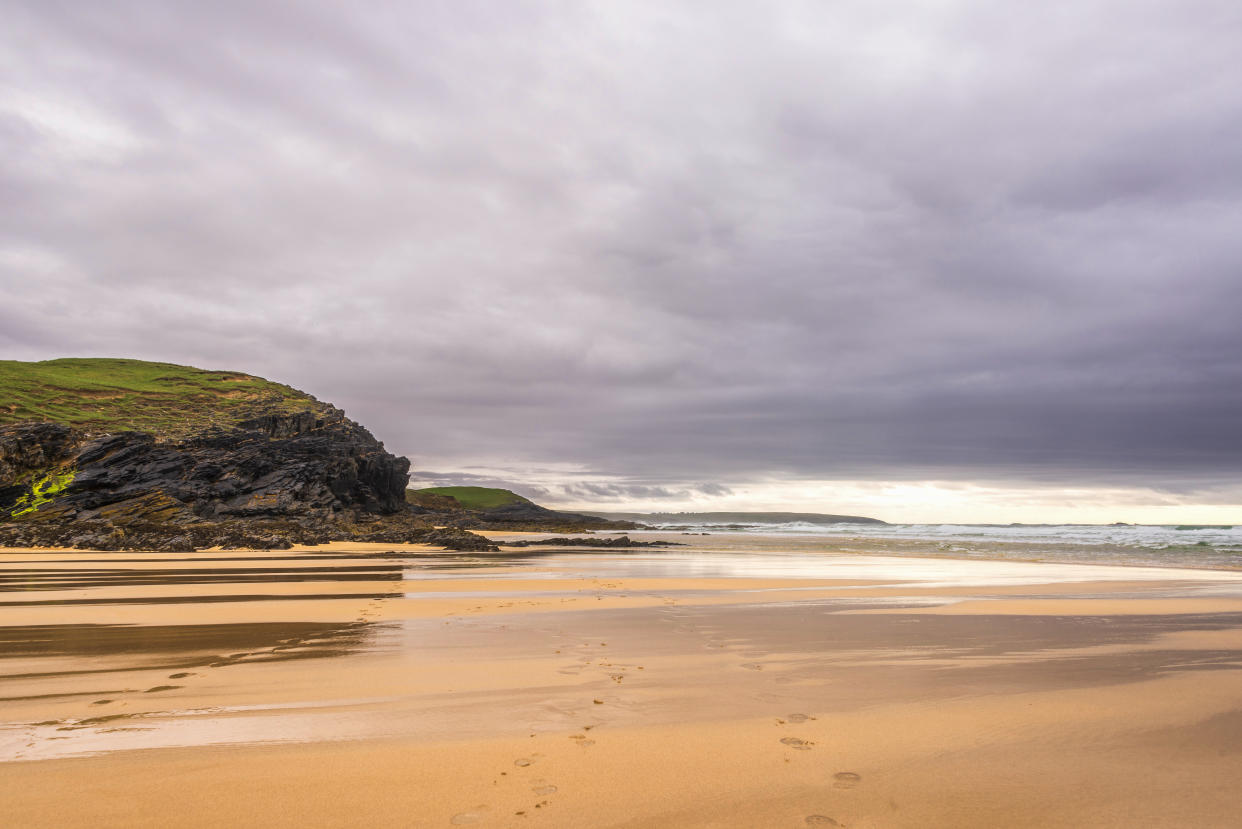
712 686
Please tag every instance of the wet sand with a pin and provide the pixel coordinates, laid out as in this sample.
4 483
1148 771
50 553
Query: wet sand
742 681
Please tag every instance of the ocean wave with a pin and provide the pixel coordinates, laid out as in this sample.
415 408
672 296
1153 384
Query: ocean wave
1147 536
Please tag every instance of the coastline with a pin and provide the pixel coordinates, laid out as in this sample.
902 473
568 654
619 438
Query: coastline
979 549
334 685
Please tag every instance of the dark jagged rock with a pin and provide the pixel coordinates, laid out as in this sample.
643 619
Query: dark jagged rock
451 538
270 482
233 534
411 529
27 447
24 449
274 466
620 542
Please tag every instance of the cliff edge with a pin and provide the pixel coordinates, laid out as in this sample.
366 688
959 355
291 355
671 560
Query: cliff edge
126 454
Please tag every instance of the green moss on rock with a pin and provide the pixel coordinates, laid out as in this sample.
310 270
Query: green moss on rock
43 490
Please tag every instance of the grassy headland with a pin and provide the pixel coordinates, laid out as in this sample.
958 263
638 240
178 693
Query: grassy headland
475 497
112 395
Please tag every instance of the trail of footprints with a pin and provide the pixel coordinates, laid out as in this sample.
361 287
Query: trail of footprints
592 655
840 780
538 786
541 788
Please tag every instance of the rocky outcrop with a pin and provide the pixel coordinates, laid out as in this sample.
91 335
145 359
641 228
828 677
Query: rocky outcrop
26 449
271 481
274 466
232 534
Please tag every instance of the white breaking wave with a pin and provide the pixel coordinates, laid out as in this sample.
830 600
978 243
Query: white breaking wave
1152 537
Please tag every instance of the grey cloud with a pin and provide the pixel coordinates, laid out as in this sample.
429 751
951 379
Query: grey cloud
578 491
713 489
608 492
694 243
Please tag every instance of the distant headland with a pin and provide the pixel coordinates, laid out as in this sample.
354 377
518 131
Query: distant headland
726 519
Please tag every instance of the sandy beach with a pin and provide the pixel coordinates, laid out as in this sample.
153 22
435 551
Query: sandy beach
740 681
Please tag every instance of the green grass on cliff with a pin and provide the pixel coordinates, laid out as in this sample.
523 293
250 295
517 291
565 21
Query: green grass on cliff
477 497
110 395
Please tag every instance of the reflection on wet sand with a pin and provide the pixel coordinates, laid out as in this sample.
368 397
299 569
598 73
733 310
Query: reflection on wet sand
97 676
34 579
274 639
841 684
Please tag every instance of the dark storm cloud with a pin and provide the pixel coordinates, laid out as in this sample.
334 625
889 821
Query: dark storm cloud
655 243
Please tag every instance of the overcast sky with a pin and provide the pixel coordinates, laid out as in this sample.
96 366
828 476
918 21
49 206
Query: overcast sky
675 254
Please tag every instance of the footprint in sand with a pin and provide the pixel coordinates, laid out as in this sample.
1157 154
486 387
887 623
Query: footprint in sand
158 688
820 820
798 718
753 666
522 762
464 818
542 790
182 675
101 702
797 743
846 779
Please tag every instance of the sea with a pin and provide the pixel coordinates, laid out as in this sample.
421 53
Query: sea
1196 546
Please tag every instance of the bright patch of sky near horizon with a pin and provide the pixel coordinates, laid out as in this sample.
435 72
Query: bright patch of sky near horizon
969 261
898 502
